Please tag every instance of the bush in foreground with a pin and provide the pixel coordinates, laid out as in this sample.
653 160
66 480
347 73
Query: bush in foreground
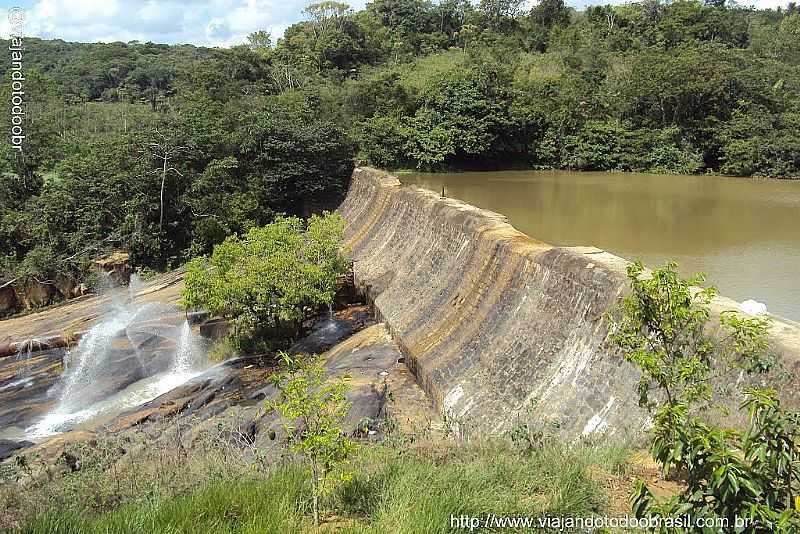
747 478
313 411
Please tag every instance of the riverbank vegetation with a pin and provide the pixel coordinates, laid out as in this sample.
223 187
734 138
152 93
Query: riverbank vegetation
410 483
750 474
270 280
164 151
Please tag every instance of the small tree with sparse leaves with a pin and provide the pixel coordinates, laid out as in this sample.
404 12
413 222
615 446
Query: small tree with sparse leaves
750 475
313 410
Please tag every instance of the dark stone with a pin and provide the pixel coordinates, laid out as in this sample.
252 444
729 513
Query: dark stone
9 303
7 447
250 435
72 461
325 334
215 328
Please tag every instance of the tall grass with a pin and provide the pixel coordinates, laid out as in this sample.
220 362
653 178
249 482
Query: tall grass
417 490
410 488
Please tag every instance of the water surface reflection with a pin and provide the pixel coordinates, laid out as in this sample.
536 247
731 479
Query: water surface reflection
745 234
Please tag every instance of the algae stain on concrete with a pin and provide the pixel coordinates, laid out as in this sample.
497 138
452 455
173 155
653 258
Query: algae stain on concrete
499 328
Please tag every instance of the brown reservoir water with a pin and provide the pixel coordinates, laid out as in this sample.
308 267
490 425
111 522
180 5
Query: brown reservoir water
744 234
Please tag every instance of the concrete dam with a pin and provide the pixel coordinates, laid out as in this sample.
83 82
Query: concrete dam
499 328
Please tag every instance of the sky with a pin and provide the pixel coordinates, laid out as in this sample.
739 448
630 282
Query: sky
199 22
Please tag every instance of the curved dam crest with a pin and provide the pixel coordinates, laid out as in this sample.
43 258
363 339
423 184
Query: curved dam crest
499 328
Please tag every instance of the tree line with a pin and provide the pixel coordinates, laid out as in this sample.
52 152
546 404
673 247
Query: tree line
165 150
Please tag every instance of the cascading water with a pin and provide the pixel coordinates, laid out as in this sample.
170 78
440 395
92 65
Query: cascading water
186 350
85 365
133 356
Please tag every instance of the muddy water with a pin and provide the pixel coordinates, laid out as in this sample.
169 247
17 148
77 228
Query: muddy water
744 234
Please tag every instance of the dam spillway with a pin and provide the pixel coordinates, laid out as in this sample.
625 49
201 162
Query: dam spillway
499 328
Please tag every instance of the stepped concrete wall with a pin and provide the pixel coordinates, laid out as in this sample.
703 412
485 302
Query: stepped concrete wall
499 328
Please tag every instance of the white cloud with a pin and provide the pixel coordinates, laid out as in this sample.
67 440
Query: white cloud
201 22
758 4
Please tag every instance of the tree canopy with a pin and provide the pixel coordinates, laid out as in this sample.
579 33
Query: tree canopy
164 150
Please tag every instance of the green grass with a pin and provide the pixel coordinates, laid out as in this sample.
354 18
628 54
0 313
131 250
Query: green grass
401 489
254 506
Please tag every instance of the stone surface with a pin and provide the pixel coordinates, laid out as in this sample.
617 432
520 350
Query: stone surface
81 313
115 267
7 447
24 383
32 350
36 294
499 328
8 298
233 393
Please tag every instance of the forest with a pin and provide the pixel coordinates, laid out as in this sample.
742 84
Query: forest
165 150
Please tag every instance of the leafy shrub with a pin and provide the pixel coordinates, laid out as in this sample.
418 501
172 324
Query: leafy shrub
747 476
756 142
612 145
599 146
273 277
666 151
313 412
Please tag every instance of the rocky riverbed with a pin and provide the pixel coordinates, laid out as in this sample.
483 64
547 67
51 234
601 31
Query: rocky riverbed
230 393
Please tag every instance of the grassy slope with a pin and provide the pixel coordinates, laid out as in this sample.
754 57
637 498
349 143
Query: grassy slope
408 487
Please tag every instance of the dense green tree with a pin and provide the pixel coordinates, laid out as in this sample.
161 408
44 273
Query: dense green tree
272 276
220 206
272 126
549 13
99 197
290 157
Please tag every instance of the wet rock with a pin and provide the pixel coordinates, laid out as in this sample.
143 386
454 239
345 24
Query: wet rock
24 384
123 367
328 331
346 292
222 401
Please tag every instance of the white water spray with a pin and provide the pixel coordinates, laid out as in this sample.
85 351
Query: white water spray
130 358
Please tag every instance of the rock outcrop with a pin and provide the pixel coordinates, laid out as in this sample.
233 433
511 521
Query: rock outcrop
8 297
231 394
17 295
499 328
115 267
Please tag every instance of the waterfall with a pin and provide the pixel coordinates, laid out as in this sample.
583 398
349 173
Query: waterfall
84 364
186 351
131 357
